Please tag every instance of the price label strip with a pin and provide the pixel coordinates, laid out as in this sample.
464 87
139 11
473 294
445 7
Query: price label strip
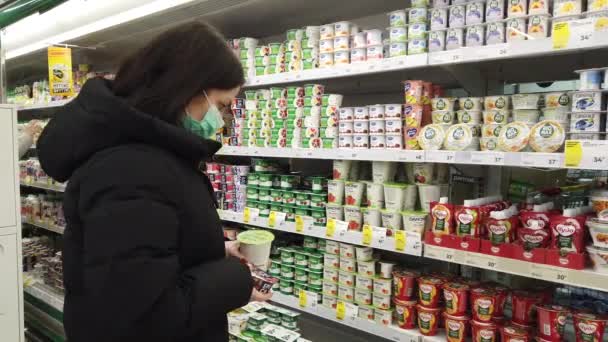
250 214
275 219
573 34
346 311
368 234
586 154
556 274
308 299
299 224
400 240
330 229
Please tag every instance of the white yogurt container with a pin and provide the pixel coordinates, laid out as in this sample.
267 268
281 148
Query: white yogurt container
341 57
585 122
495 10
326 60
346 113
436 41
514 28
442 117
341 43
454 38
375 53
373 37
469 116
326 31
393 110
491 130
457 16
566 7
443 103
538 7
361 126
495 33
471 103
376 111
416 46
358 55
517 8
358 41
394 141
397 18
377 141
538 26
559 99
326 45
397 34
397 49
458 137
439 18
345 141
591 79
416 31
496 116
525 101
376 126
346 127
584 101
363 281
417 15
361 140
361 113
596 5
529 116
393 126
475 35
342 29
474 12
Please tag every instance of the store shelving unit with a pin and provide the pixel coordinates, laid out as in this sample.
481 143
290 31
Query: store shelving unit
42 186
413 243
48 296
44 225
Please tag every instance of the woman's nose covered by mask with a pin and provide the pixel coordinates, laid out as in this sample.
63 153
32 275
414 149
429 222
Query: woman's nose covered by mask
206 128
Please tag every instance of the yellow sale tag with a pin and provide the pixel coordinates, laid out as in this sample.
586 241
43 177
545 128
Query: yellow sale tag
60 71
573 153
400 240
340 310
299 224
272 219
561 35
303 298
246 215
331 228
367 235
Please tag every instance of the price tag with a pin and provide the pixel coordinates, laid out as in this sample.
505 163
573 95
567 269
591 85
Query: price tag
431 252
573 34
379 236
247 215
341 228
536 159
556 274
340 310
308 299
440 156
573 153
488 158
303 299
275 219
586 154
400 240
481 260
330 228
346 310
299 224
561 35
367 235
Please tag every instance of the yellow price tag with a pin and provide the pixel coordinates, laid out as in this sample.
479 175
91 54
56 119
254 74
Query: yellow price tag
561 35
246 215
400 240
303 299
272 219
299 224
331 228
367 234
340 310
573 153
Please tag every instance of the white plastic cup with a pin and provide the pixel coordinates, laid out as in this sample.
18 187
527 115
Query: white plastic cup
428 193
255 247
383 171
409 202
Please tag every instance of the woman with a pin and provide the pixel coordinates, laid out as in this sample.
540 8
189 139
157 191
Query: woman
144 255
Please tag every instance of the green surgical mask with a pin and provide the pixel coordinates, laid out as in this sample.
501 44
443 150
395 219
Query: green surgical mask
211 122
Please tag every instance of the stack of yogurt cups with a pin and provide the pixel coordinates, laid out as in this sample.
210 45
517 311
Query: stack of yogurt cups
496 115
246 50
335 43
417 96
238 123
589 105
407 30
366 46
309 41
374 126
461 128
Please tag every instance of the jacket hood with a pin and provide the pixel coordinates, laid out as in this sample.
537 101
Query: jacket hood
97 120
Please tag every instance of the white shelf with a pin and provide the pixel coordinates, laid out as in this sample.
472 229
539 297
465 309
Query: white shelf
42 225
46 294
36 106
44 186
413 243
392 333
518 49
348 70
581 278
520 159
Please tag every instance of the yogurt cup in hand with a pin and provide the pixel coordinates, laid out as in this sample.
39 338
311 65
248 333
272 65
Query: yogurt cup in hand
255 247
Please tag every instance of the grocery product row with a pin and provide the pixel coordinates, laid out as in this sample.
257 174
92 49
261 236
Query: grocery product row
31 174
43 262
414 31
43 211
264 322
358 282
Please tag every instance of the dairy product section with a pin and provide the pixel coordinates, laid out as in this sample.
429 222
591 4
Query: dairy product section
405 171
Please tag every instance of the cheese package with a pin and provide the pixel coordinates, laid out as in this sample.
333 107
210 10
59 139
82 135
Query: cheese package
431 137
547 136
514 137
458 137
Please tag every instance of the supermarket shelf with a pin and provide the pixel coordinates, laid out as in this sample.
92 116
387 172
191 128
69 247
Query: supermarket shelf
58 230
44 186
392 333
581 278
512 50
46 295
519 159
413 243
348 70
38 106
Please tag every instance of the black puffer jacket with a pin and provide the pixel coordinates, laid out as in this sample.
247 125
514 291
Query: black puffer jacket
144 256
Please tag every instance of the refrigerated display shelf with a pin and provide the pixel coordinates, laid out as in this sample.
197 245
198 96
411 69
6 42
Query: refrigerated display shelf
413 243
392 333
44 186
518 159
38 106
582 278
48 296
44 225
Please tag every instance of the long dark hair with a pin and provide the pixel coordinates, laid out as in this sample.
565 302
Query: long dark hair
164 76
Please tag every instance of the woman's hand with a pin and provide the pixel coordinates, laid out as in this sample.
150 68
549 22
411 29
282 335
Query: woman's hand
33 128
233 249
257 296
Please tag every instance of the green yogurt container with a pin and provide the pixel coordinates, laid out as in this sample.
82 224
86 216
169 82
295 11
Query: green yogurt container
302 198
309 53
291 34
321 247
315 278
259 61
286 286
250 94
286 256
287 272
275 48
319 184
300 258
252 179
318 200
251 204
289 197
275 268
315 259
302 211
265 180
308 65
276 195
264 195
271 69
318 214
260 71
264 208
252 193
290 213
288 182
293 92
301 274
278 93
276 207
297 286
310 244
325 100
330 143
